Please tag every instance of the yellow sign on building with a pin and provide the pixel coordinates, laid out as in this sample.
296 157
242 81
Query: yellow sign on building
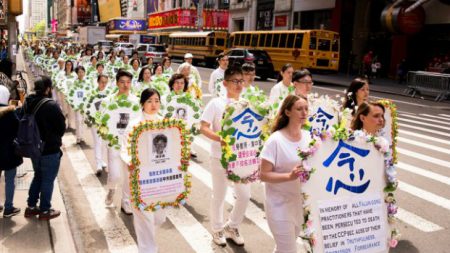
109 9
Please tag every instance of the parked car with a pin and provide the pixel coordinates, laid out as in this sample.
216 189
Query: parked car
261 59
125 46
157 52
105 44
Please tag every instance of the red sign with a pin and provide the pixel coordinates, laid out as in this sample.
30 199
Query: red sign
212 19
280 21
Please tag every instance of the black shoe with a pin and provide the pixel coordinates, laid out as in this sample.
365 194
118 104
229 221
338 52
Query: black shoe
1 208
50 214
11 212
32 211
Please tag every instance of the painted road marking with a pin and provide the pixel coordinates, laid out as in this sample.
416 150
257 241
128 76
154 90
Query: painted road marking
426 137
422 118
417 221
425 195
425 129
423 157
422 172
424 145
117 236
424 124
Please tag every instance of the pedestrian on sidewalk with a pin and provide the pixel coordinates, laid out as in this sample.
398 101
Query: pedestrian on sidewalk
9 161
51 124
356 94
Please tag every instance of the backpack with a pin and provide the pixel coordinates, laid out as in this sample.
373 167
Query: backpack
28 142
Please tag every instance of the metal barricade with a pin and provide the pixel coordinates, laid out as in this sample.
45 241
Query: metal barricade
428 82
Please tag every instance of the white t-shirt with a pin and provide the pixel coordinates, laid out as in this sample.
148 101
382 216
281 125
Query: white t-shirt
213 114
278 92
284 200
215 86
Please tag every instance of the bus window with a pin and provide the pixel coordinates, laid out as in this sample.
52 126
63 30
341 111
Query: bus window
276 39
290 40
282 40
313 43
231 41
220 42
254 40
269 40
202 41
335 45
262 39
237 40
324 45
211 42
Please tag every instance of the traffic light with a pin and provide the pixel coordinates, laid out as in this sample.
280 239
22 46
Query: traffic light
15 7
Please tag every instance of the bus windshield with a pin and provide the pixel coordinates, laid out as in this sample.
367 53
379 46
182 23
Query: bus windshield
324 45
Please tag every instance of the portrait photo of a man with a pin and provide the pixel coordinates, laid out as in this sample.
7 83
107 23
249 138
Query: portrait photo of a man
159 144
123 120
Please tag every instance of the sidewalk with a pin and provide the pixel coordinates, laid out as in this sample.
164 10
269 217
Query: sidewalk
19 234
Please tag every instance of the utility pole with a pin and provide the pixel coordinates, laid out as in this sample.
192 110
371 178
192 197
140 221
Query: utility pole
200 14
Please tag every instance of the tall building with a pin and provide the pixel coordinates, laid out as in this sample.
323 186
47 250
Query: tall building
38 12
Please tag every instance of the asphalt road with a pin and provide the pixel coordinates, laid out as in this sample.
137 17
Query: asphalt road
423 194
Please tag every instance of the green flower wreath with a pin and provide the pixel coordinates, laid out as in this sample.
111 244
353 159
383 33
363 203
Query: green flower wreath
185 98
134 168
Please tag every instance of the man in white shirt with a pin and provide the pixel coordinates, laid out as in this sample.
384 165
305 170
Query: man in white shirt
210 125
215 85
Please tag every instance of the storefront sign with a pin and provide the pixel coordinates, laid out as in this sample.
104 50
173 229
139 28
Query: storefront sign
281 21
187 18
128 25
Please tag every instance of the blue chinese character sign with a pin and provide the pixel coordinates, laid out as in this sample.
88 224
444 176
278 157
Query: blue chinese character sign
346 208
159 153
324 113
242 128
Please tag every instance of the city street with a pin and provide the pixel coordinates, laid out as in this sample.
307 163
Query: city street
423 195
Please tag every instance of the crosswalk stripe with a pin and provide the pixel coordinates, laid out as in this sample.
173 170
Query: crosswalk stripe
426 137
417 221
423 145
422 118
117 236
425 195
195 234
444 115
424 124
425 129
423 157
425 173
432 116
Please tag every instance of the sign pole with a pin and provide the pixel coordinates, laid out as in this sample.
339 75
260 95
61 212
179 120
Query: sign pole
200 14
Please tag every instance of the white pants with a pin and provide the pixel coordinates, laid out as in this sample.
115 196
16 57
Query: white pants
118 172
98 148
219 191
145 225
285 234
79 125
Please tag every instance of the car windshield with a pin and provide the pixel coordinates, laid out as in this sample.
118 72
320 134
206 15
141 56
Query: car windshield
157 49
259 53
105 43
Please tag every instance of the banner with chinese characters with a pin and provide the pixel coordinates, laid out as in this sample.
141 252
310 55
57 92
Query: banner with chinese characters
242 128
345 206
324 113
160 153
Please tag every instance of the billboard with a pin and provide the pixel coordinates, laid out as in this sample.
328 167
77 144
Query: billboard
109 9
128 25
83 11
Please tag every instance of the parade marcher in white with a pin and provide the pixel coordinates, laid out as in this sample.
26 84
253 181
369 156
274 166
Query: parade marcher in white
210 125
79 126
115 164
279 170
168 70
356 94
215 85
188 57
280 90
369 118
249 74
145 222
302 80
102 81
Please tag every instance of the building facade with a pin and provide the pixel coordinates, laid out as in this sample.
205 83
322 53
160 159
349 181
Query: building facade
38 12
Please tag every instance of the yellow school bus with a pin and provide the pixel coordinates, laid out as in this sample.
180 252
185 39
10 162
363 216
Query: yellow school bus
204 46
312 49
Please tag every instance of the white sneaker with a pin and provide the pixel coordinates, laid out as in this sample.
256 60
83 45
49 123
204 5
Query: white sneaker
109 197
126 207
219 238
233 234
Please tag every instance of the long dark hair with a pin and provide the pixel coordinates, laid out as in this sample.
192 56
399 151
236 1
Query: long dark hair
283 69
141 74
6 67
364 109
282 120
350 95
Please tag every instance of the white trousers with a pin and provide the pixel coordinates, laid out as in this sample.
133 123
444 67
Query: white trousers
285 234
98 148
145 225
219 190
118 172
79 125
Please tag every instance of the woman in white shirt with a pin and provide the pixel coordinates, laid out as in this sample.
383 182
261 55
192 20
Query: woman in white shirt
145 222
280 90
280 166
369 118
